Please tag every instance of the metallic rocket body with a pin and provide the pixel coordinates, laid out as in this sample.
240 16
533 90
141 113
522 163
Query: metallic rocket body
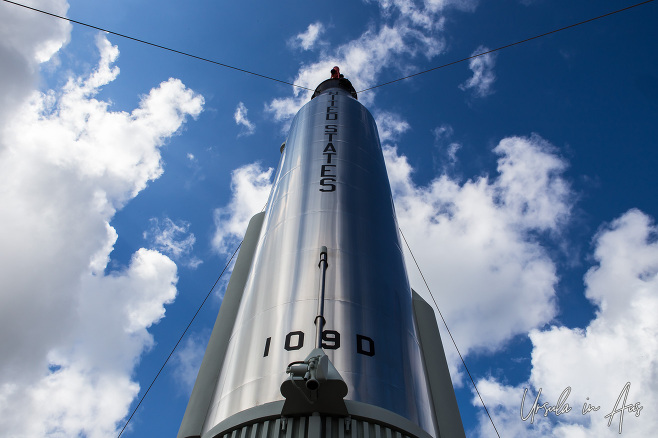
331 189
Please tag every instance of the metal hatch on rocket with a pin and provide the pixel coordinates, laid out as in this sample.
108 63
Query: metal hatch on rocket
319 333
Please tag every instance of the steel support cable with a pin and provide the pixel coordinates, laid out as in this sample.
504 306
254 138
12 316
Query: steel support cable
180 339
156 45
508 45
449 333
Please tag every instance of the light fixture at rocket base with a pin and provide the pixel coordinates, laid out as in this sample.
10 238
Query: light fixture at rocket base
319 333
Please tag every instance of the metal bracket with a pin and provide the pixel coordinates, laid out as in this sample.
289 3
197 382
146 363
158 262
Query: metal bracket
314 385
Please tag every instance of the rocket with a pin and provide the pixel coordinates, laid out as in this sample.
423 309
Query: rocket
319 333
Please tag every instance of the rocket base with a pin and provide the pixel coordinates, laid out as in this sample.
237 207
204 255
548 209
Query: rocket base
364 420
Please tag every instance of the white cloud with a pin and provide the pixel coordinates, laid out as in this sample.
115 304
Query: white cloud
408 8
306 40
241 119
27 39
173 239
414 29
251 185
361 60
187 360
442 134
390 126
89 388
483 78
70 334
35 35
424 13
619 346
453 148
444 131
530 185
490 276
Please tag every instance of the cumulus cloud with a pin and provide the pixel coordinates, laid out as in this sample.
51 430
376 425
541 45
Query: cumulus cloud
618 347
241 119
409 9
173 239
442 135
361 60
410 29
187 360
425 13
250 186
86 387
306 40
444 131
70 333
490 276
27 40
390 126
483 78
452 150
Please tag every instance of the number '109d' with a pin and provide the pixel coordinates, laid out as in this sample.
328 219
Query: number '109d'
331 341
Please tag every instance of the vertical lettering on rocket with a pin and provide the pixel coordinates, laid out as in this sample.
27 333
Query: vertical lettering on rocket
328 171
331 114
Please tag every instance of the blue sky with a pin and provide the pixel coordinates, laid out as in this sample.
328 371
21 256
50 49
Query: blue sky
524 182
